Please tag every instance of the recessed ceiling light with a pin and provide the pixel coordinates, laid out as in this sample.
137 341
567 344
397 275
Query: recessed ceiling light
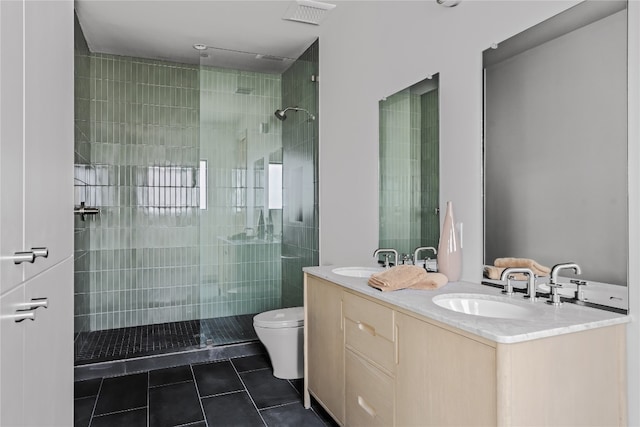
200 46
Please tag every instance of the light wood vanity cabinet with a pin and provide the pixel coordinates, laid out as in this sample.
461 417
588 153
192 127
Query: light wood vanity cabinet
371 363
324 345
443 378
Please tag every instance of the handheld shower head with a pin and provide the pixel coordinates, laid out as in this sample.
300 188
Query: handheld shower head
281 114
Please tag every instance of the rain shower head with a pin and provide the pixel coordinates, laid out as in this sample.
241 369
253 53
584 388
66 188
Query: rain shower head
281 114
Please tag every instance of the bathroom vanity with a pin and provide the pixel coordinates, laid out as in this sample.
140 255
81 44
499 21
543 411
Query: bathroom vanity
397 358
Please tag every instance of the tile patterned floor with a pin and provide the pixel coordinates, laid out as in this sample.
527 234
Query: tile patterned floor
235 392
122 343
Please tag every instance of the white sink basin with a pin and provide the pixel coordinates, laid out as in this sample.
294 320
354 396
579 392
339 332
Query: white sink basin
483 305
357 271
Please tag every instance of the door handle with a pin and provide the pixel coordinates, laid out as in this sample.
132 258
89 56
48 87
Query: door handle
29 256
21 315
24 256
35 303
40 252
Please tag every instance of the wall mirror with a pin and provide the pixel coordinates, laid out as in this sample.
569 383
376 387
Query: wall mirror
409 168
555 148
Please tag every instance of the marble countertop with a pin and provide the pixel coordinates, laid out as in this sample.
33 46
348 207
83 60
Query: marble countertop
546 321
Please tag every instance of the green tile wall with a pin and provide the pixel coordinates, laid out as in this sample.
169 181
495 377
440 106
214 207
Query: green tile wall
430 170
143 260
396 174
409 176
300 176
237 135
82 158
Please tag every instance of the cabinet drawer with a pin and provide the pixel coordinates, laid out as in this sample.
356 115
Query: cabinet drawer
377 318
363 339
369 394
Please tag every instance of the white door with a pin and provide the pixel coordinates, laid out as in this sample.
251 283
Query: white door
48 158
11 358
48 351
11 143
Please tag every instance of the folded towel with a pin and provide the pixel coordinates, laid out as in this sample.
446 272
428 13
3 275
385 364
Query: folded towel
431 281
538 269
494 273
406 276
398 277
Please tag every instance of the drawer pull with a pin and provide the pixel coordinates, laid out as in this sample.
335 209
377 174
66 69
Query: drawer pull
367 408
367 328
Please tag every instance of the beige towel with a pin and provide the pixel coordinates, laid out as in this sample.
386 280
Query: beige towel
492 272
538 269
406 276
432 281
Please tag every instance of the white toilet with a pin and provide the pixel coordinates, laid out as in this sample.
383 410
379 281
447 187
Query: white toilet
282 333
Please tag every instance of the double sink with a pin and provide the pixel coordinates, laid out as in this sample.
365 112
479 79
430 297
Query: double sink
471 304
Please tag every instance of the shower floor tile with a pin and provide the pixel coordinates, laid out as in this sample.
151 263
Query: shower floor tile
137 341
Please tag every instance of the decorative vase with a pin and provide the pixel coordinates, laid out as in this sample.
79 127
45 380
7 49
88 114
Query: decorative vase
449 250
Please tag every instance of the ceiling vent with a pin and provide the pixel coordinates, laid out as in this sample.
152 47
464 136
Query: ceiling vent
270 57
307 11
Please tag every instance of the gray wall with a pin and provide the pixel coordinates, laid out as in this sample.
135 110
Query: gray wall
556 153
395 45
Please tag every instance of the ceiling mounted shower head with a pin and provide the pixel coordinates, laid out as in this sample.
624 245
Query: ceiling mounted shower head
281 114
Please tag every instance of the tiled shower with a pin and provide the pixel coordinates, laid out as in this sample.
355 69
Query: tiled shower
192 237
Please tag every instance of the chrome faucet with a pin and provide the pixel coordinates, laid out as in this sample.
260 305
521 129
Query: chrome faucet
420 249
531 283
386 260
554 296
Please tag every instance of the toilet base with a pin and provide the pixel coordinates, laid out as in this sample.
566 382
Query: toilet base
285 348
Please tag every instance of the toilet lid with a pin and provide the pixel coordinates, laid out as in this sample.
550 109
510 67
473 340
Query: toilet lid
282 318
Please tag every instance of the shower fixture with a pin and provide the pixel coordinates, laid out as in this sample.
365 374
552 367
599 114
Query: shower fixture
280 114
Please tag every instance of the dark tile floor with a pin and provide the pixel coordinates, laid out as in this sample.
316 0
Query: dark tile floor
137 341
235 392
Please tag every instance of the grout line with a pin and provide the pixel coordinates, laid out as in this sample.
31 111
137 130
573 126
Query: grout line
204 414
168 384
248 394
93 411
119 412
148 407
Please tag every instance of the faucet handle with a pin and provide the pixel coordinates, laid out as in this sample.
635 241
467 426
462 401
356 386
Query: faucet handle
554 295
508 287
579 294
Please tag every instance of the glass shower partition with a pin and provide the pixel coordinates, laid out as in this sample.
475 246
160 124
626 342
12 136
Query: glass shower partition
240 236
258 185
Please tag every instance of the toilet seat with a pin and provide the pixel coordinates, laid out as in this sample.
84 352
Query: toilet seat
283 318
